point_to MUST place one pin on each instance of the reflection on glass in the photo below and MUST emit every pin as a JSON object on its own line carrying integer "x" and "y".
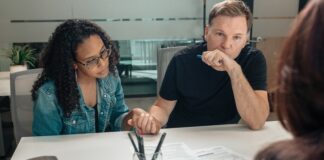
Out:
{"x": 138, "y": 62}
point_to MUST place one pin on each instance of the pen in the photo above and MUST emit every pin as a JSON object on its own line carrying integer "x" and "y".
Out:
{"x": 140, "y": 145}
{"x": 199, "y": 56}
{"x": 137, "y": 135}
{"x": 141, "y": 148}
{"x": 158, "y": 148}
{"x": 138, "y": 139}
{"x": 133, "y": 143}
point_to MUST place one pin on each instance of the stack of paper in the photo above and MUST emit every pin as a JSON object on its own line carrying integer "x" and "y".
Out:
{"x": 218, "y": 153}
{"x": 175, "y": 151}
{"x": 180, "y": 151}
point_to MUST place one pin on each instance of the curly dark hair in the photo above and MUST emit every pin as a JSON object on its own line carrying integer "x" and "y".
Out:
{"x": 60, "y": 55}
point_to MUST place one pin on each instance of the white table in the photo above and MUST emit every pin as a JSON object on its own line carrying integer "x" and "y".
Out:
{"x": 4, "y": 83}
{"x": 116, "y": 145}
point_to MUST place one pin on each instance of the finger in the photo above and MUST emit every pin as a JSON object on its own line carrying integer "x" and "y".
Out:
{"x": 157, "y": 130}
{"x": 137, "y": 111}
{"x": 130, "y": 122}
{"x": 135, "y": 120}
{"x": 156, "y": 127}
{"x": 213, "y": 59}
{"x": 217, "y": 61}
{"x": 209, "y": 57}
{"x": 149, "y": 124}
{"x": 140, "y": 120}
{"x": 139, "y": 131}
{"x": 153, "y": 130}
{"x": 145, "y": 122}
{"x": 205, "y": 57}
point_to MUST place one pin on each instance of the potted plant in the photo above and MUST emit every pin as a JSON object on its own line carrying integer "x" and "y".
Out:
{"x": 21, "y": 57}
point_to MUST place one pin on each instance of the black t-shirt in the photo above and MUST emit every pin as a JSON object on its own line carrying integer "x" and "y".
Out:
{"x": 204, "y": 96}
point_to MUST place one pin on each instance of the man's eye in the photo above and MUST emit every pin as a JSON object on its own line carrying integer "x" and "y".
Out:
{"x": 237, "y": 38}
{"x": 219, "y": 34}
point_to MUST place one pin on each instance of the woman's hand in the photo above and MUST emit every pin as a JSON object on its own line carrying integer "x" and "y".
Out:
{"x": 144, "y": 122}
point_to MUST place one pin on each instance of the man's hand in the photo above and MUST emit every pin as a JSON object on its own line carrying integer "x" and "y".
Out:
{"x": 219, "y": 60}
{"x": 252, "y": 105}
{"x": 144, "y": 122}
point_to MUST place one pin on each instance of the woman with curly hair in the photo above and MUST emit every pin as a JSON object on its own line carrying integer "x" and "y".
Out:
{"x": 300, "y": 95}
{"x": 79, "y": 90}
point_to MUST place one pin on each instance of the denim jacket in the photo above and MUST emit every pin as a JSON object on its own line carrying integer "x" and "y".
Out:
{"x": 50, "y": 120}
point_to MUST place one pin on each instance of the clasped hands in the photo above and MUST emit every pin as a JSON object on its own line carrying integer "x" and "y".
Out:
{"x": 144, "y": 122}
{"x": 219, "y": 60}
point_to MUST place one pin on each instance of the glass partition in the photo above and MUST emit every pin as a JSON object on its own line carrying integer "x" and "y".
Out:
{"x": 137, "y": 67}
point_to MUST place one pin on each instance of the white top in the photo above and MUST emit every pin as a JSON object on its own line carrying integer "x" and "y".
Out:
{"x": 4, "y": 83}
{"x": 116, "y": 145}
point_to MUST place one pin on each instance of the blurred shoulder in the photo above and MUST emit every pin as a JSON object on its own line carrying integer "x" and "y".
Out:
{"x": 298, "y": 149}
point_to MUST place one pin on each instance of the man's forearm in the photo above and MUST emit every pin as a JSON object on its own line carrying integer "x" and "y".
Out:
{"x": 161, "y": 109}
{"x": 252, "y": 108}
{"x": 159, "y": 114}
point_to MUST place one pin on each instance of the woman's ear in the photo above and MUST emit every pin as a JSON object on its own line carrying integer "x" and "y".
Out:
{"x": 75, "y": 66}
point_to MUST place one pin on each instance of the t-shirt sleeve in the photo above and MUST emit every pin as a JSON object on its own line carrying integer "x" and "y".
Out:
{"x": 256, "y": 72}
{"x": 168, "y": 88}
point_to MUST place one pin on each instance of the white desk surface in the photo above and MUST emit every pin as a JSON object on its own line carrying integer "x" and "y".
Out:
{"x": 4, "y": 83}
{"x": 116, "y": 145}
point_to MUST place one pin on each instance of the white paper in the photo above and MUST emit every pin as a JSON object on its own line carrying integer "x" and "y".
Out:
{"x": 175, "y": 151}
{"x": 218, "y": 153}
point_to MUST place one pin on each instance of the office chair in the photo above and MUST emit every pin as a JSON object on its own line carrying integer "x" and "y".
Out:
{"x": 164, "y": 56}
{"x": 21, "y": 103}
{"x": 6, "y": 130}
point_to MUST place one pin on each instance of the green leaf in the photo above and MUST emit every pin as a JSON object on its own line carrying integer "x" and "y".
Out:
{"x": 21, "y": 55}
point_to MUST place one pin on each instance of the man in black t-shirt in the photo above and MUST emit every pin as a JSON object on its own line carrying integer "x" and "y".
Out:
{"x": 217, "y": 82}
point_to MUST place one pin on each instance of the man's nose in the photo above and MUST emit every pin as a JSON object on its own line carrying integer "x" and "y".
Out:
{"x": 227, "y": 43}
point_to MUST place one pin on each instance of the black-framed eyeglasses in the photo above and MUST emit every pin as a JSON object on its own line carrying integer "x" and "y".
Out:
{"x": 93, "y": 62}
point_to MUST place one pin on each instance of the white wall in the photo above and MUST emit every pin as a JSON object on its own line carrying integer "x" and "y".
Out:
{"x": 35, "y": 20}
{"x": 106, "y": 10}
{"x": 272, "y": 18}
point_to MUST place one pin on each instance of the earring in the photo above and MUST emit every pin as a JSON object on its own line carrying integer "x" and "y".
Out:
{"x": 76, "y": 74}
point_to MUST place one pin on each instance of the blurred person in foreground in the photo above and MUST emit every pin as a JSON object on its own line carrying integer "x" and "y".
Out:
{"x": 300, "y": 95}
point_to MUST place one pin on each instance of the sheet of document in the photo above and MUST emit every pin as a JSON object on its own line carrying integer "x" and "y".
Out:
{"x": 218, "y": 153}
{"x": 175, "y": 151}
